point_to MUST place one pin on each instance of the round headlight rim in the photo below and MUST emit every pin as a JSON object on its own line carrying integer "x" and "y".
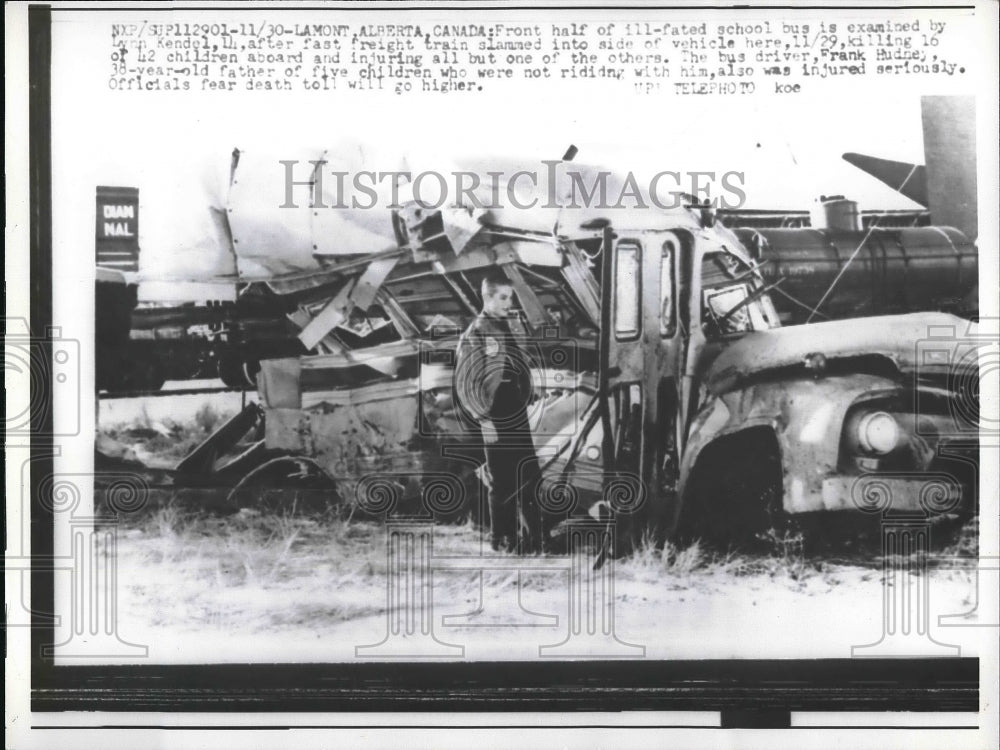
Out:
{"x": 878, "y": 446}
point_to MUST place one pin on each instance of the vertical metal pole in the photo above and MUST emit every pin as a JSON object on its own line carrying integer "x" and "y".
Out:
{"x": 604, "y": 364}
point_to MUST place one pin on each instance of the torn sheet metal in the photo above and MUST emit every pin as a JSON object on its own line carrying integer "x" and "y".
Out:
{"x": 404, "y": 325}
{"x": 358, "y": 293}
{"x": 329, "y": 373}
{"x": 313, "y": 280}
{"x": 461, "y": 225}
{"x": 187, "y": 237}
{"x": 359, "y": 356}
{"x": 327, "y": 345}
{"x": 278, "y": 383}
{"x": 582, "y": 282}
{"x": 371, "y": 281}
{"x": 333, "y": 314}
{"x": 533, "y": 310}
{"x": 477, "y": 257}
{"x": 347, "y": 425}
{"x": 537, "y": 253}
{"x": 406, "y": 423}
{"x": 422, "y": 227}
{"x": 270, "y": 240}
{"x": 287, "y": 210}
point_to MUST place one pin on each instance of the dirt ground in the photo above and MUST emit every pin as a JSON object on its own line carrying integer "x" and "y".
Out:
{"x": 197, "y": 587}
{"x": 201, "y": 588}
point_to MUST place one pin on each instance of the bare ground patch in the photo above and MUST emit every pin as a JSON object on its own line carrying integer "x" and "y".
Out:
{"x": 255, "y": 586}
{"x": 200, "y": 587}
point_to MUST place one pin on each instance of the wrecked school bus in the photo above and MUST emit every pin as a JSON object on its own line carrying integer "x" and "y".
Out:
{"x": 667, "y": 394}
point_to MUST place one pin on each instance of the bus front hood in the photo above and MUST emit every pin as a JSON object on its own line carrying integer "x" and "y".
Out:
{"x": 928, "y": 341}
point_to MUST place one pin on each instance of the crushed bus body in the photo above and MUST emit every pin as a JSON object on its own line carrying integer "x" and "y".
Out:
{"x": 668, "y": 395}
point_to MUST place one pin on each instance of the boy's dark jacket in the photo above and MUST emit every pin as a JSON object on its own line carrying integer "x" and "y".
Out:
{"x": 482, "y": 355}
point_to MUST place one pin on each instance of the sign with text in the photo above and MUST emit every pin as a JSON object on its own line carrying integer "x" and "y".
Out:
{"x": 117, "y": 239}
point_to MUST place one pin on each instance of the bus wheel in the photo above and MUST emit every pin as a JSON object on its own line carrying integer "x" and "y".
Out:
{"x": 734, "y": 500}
{"x": 285, "y": 485}
{"x": 230, "y": 370}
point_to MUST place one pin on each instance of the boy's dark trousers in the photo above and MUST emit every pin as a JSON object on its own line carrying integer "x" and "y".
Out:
{"x": 515, "y": 518}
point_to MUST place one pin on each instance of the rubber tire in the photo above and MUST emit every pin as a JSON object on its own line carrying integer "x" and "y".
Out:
{"x": 737, "y": 505}
{"x": 285, "y": 484}
{"x": 230, "y": 370}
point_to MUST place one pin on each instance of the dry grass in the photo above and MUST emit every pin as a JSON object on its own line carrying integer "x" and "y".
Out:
{"x": 700, "y": 567}
{"x": 280, "y": 582}
{"x": 257, "y": 571}
{"x": 965, "y": 542}
{"x": 257, "y": 576}
{"x": 251, "y": 570}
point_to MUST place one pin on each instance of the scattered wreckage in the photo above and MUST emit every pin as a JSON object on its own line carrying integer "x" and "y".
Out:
{"x": 669, "y": 396}
{"x": 879, "y": 262}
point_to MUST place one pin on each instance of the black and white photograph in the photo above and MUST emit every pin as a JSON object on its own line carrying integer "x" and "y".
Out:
{"x": 450, "y": 373}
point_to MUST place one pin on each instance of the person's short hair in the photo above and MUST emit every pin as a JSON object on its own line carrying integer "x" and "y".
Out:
{"x": 493, "y": 279}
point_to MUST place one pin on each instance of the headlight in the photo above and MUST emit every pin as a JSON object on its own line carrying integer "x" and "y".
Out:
{"x": 877, "y": 433}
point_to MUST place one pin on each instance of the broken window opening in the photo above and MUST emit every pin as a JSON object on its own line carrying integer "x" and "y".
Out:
{"x": 628, "y": 291}
{"x": 722, "y": 313}
{"x": 668, "y": 321}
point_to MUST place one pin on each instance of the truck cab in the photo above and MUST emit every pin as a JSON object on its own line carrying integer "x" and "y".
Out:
{"x": 728, "y": 427}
